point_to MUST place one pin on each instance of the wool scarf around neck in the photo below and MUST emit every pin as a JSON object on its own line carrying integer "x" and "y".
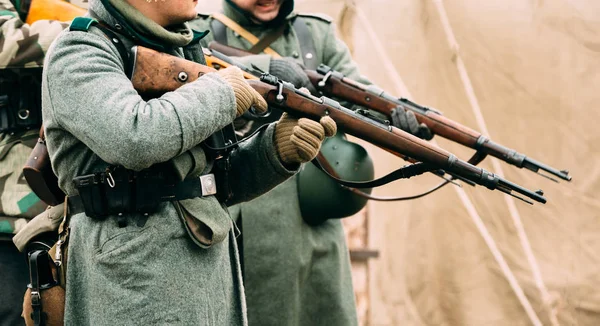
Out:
{"x": 177, "y": 35}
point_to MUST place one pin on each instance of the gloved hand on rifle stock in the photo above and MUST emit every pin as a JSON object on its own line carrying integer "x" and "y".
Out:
{"x": 296, "y": 140}
{"x": 245, "y": 96}
{"x": 299, "y": 140}
{"x": 292, "y": 72}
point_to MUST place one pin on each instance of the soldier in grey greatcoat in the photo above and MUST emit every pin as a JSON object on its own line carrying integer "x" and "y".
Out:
{"x": 179, "y": 265}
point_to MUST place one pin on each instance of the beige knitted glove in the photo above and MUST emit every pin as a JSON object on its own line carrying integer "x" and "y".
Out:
{"x": 299, "y": 140}
{"x": 245, "y": 96}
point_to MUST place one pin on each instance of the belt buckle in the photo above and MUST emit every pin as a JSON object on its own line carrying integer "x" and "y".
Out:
{"x": 208, "y": 185}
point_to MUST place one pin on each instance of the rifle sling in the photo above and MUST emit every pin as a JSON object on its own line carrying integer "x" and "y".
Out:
{"x": 220, "y": 23}
{"x": 241, "y": 31}
{"x": 329, "y": 171}
{"x": 402, "y": 173}
{"x": 264, "y": 42}
{"x": 403, "y": 198}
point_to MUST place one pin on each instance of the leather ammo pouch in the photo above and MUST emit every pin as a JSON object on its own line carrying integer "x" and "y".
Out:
{"x": 39, "y": 175}
{"x": 120, "y": 190}
{"x": 20, "y": 99}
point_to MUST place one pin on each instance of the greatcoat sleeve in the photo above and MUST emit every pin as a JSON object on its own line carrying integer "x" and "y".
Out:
{"x": 256, "y": 167}
{"x": 95, "y": 101}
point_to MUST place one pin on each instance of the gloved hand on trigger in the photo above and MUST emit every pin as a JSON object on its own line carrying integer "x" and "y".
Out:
{"x": 299, "y": 140}
{"x": 292, "y": 72}
{"x": 407, "y": 121}
{"x": 245, "y": 96}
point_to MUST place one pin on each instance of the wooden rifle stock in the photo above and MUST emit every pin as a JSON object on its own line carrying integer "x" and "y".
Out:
{"x": 156, "y": 73}
{"x": 52, "y": 10}
{"x": 217, "y": 61}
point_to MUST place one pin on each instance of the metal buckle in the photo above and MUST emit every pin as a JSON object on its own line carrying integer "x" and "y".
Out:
{"x": 208, "y": 184}
{"x": 35, "y": 298}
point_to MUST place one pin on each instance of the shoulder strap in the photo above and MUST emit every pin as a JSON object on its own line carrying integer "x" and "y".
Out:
{"x": 193, "y": 52}
{"x": 113, "y": 37}
{"x": 243, "y": 32}
{"x": 219, "y": 31}
{"x": 307, "y": 43}
{"x": 267, "y": 40}
{"x": 83, "y": 24}
{"x": 220, "y": 23}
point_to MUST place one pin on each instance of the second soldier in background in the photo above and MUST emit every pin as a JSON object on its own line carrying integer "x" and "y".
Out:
{"x": 294, "y": 273}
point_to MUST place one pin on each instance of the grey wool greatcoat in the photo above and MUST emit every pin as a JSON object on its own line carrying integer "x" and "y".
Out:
{"x": 294, "y": 274}
{"x": 152, "y": 274}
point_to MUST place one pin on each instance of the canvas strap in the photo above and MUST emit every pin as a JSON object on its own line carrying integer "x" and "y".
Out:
{"x": 264, "y": 42}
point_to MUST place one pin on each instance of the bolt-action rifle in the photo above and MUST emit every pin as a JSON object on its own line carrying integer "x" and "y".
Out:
{"x": 156, "y": 73}
{"x": 335, "y": 84}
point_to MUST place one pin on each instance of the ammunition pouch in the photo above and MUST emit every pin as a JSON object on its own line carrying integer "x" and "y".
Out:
{"x": 119, "y": 191}
{"x": 20, "y": 99}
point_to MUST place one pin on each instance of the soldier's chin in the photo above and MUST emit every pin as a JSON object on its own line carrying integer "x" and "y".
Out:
{"x": 265, "y": 17}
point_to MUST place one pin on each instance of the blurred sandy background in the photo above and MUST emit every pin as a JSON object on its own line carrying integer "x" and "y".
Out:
{"x": 535, "y": 70}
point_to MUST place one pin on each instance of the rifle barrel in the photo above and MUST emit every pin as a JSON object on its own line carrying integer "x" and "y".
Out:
{"x": 334, "y": 84}
{"x": 287, "y": 98}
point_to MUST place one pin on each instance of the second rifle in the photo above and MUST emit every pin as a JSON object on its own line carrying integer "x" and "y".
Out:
{"x": 334, "y": 84}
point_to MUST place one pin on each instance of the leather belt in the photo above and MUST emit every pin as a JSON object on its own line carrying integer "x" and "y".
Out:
{"x": 202, "y": 186}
